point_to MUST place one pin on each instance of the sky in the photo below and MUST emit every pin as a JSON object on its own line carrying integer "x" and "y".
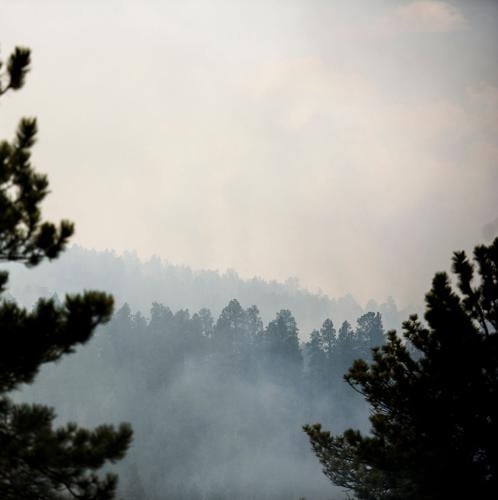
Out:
{"x": 352, "y": 145}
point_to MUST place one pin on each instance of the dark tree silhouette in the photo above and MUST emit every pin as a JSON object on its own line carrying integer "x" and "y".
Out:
{"x": 328, "y": 335}
{"x": 316, "y": 359}
{"x": 280, "y": 343}
{"x": 369, "y": 331}
{"x": 433, "y": 398}
{"x": 38, "y": 461}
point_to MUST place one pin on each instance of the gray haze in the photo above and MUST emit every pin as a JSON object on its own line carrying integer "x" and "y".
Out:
{"x": 350, "y": 144}
{"x": 140, "y": 284}
{"x": 212, "y": 420}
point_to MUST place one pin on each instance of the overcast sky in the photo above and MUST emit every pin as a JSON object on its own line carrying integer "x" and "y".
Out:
{"x": 353, "y": 144}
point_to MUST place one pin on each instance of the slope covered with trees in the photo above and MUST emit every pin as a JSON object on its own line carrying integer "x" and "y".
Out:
{"x": 216, "y": 403}
{"x": 140, "y": 283}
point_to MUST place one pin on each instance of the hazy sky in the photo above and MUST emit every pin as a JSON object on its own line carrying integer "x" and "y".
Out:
{"x": 353, "y": 144}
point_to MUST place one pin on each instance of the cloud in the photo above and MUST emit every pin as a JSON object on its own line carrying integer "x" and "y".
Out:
{"x": 421, "y": 16}
{"x": 335, "y": 142}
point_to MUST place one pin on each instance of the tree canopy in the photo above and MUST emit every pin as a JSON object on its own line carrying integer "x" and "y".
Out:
{"x": 38, "y": 461}
{"x": 216, "y": 399}
{"x": 433, "y": 394}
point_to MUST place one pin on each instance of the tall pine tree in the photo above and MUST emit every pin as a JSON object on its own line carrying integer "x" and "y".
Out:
{"x": 38, "y": 461}
{"x": 433, "y": 395}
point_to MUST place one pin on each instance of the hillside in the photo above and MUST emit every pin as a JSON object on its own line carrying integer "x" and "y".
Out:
{"x": 140, "y": 284}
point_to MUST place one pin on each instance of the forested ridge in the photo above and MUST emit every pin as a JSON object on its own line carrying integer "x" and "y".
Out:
{"x": 140, "y": 282}
{"x": 217, "y": 404}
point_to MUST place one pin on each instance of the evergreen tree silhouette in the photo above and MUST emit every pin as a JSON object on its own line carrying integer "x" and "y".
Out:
{"x": 38, "y": 461}
{"x": 433, "y": 394}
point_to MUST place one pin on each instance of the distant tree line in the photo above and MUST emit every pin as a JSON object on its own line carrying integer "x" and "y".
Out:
{"x": 240, "y": 359}
{"x": 140, "y": 283}
{"x": 216, "y": 404}
{"x": 238, "y": 342}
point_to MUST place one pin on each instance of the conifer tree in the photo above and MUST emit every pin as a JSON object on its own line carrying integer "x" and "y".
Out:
{"x": 280, "y": 341}
{"x": 38, "y": 461}
{"x": 316, "y": 357}
{"x": 433, "y": 395}
{"x": 328, "y": 336}
{"x": 369, "y": 331}
{"x": 344, "y": 350}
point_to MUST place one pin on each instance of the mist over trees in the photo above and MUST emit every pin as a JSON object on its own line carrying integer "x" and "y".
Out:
{"x": 139, "y": 284}
{"x": 216, "y": 403}
{"x": 291, "y": 139}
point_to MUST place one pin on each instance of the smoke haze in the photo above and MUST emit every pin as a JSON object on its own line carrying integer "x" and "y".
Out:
{"x": 350, "y": 144}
